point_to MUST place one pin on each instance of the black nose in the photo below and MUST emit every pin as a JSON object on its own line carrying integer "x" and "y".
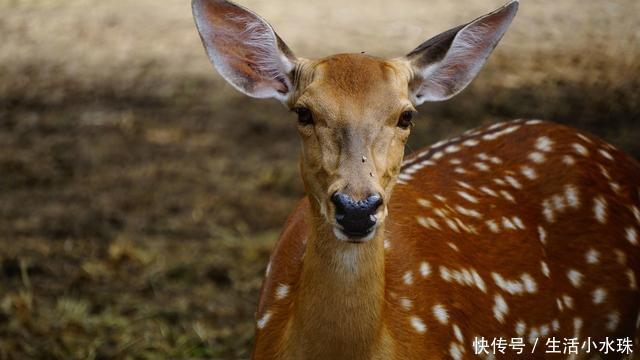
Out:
{"x": 356, "y": 217}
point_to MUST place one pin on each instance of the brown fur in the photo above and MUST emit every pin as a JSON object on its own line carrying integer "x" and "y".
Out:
{"x": 336, "y": 330}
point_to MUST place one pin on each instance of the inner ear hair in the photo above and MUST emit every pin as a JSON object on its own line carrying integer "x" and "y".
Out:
{"x": 445, "y": 64}
{"x": 245, "y": 49}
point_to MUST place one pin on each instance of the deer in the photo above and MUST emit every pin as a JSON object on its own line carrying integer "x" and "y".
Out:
{"x": 524, "y": 229}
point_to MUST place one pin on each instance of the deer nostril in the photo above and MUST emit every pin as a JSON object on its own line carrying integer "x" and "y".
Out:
{"x": 341, "y": 201}
{"x": 356, "y": 216}
{"x": 374, "y": 202}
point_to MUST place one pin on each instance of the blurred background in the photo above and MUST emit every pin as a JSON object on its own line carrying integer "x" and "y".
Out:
{"x": 140, "y": 196}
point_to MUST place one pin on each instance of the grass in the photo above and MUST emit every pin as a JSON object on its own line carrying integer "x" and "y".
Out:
{"x": 140, "y": 196}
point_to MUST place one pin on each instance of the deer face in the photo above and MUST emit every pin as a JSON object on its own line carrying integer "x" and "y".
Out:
{"x": 354, "y": 117}
{"x": 354, "y": 111}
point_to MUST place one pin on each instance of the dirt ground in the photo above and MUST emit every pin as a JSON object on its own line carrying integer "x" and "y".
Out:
{"x": 140, "y": 196}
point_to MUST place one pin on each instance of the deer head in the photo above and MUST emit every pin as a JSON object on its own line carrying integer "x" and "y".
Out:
{"x": 354, "y": 110}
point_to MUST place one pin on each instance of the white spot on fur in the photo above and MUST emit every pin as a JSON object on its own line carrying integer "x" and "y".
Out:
{"x": 585, "y": 138}
{"x": 592, "y": 256}
{"x": 600, "y": 209}
{"x": 537, "y": 157}
{"x": 458, "y": 333}
{"x": 452, "y": 225}
{"x": 606, "y": 154}
{"x": 507, "y": 195}
{"x": 571, "y": 196}
{"x": 580, "y": 149}
{"x": 529, "y": 172}
{"x": 468, "y": 212}
{"x": 455, "y": 351}
{"x": 521, "y": 328}
{"x": 615, "y": 187}
{"x": 418, "y": 325}
{"x": 534, "y": 334}
{"x": 463, "y": 277}
{"x": 468, "y": 197}
{"x": 493, "y": 226}
{"x": 613, "y": 319}
{"x": 575, "y": 277}
{"x": 548, "y": 211}
{"x": 544, "y": 144}
{"x": 636, "y": 213}
{"x": 516, "y": 220}
{"x": 542, "y": 235}
{"x": 632, "y": 279}
{"x": 514, "y": 287}
{"x": 478, "y": 280}
{"x": 425, "y": 269}
{"x": 558, "y": 202}
{"x": 568, "y": 301}
{"x": 262, "y": 322}
{"x": 470, "y": 142}
{"x": 445, "y": 274}
{"x": 452, "y": 149}
{"x": 490, "y": 192}
{"x": 386, "y": 244}
{"x": 632, "y": 235}
{"x": 568, "y": 160}
{"x": 545, "y": 268}
{"x": 513, "y": 182}
{"x": 424, "y": 203}
{"x": 507, "y": 224}
{"x": 282, "y": 291}
{"x": 530, "y": 285}
{"x": 440, "y": 313}
{"x": 544, "y": 330}
{"x": 481, "y": 166}
{"x": 428, "y": 222}
{"x": 408, "y": 278}
{"x": 406, "y": 304}
{"x": 500, "y": 308}
{"x": 598, "y": 295}
{"x": 577, "y": 326}
{"x": 555, "y": 325}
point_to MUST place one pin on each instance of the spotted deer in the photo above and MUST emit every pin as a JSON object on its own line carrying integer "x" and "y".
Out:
{"x": 524, "y": 229}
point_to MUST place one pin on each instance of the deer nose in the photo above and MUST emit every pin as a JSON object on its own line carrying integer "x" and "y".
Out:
{"x": 357, "y": 217}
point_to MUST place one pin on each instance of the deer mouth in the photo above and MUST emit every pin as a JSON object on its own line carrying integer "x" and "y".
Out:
{"x": 356, "y": 237}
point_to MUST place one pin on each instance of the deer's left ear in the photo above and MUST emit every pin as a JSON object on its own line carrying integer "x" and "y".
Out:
{"x": 445, "y": 64}
{"x": 244, "y": 49}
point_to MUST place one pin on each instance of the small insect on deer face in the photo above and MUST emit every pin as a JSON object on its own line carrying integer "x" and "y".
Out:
{"x": 354, "y": 111}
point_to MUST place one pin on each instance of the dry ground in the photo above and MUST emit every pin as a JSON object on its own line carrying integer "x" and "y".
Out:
{"x": 140, "y": 196}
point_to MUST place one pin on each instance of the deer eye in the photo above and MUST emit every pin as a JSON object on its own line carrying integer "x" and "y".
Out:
{"x": 405, "y": 119}
{"x": 304, "y": 116}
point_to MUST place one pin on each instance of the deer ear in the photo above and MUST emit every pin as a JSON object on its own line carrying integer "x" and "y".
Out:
{"x": 445, "y": 64}
{"x": 244, "y": 49}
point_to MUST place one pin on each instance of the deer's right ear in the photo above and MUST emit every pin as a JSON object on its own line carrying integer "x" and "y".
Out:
{"x": 445, "y": 64}
{"x": 244, "y": 49}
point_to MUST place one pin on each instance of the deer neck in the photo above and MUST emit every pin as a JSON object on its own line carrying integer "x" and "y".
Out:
{"x": 338, "y": 310}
